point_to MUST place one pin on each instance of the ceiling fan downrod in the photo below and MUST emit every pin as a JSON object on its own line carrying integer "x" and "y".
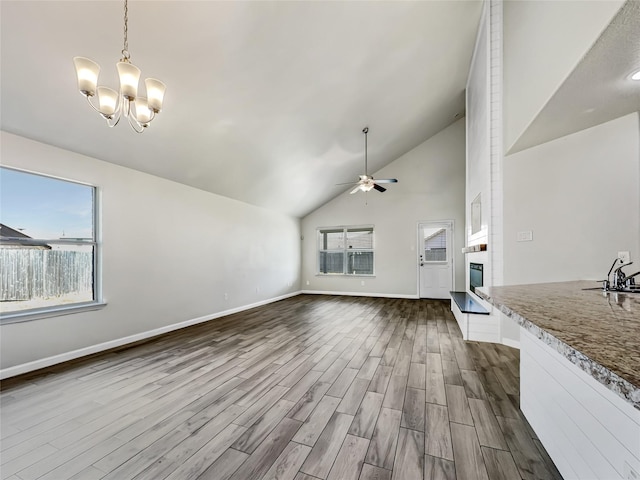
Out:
{"x": 365, "y": 130}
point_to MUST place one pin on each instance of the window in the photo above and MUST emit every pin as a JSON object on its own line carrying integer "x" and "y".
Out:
{"x": 435, "y": 245}
{"x": 345, "y": 250}
{"x": 48, "y": 246}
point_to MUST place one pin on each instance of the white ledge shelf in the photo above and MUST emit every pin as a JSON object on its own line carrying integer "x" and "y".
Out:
{"x": 480, "y": 247}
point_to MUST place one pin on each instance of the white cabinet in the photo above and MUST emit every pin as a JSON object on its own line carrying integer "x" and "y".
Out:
{"x": 589, "y": 431}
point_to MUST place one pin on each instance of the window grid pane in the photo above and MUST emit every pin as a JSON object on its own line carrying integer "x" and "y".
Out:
{"x": 331, "y": 262}
{"x": 360, "y": 238}
{"x": 359, "y": 263}
{"x": 331, "y": 239}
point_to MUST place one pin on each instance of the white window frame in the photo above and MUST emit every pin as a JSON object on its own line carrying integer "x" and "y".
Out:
{"x": 447, "y": 248}
{"x": 345, "y": 250}
{"x": 58, "y": 310}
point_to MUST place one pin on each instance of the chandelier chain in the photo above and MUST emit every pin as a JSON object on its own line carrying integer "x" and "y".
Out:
{"x": 125, "y": 50}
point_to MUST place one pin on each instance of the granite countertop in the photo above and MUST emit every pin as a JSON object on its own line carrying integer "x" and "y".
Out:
{"x": 597, "y": 331}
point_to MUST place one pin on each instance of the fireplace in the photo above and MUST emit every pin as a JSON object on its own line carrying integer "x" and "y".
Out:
{"x": 475, "y": 276}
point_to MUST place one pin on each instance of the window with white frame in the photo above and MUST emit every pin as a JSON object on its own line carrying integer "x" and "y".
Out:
{"x": 345, "y": 250}
{"x": 48, "y": 243}
{"x": 435, "y": 245}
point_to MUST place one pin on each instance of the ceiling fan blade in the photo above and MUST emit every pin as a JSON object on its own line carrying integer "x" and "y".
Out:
{"x": 379, "y": 188}
{"x": 386, "y": 180}
{"x": 348, "y": 183}
{"x": 355, "y": 190}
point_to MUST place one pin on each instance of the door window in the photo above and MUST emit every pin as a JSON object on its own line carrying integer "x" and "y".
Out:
{"x": 435, "y": 245}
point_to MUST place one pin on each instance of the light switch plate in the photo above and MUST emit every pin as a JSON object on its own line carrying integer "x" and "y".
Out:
{"x": 525, "y": 236}
{"x": 624, "y": 256}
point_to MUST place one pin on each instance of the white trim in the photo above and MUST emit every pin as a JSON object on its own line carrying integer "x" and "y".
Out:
{"x": 360, "y": 294}
{"x": 82, "y": 352}
{"x": 510, "y": 343}
{"x": 349, "y": 275}
{"x": 47, "y": 175}
{"x": 47, "y": 312}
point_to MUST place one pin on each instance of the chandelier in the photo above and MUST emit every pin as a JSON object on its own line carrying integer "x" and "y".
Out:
{"x": 112, "y": 105}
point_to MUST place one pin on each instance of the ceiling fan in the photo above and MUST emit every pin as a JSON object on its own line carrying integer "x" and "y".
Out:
{"x": 367, "y": 182}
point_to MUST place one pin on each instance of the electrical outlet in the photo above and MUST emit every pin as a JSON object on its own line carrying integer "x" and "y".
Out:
{"x": 307, "y": 282}
{"x": 525, "y": 236}
{"x": 362, "y": 282}
{"x": 624, "y": 256}
{"x": 226, "y": 296}
{"x": 257, "y": 289}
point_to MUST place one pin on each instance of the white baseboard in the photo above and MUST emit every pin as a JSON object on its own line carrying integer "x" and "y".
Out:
{"x": 83, "y": 352}
{"x": 360, "y": 294}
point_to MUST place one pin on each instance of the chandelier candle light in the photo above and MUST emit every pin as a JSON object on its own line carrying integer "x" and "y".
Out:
{"x": 113, "y": 105}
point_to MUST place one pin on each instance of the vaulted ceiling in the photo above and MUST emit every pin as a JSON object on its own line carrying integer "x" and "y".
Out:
{"x": 265, "y": 101}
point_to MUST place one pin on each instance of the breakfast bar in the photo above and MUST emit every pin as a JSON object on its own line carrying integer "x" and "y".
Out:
{"x": 579, "y": 373}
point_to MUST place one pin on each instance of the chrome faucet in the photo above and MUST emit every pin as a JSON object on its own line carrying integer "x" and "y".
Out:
{"x": 629, "y": 281}
{"x": 621, "y": 282}
{"x": 606, "y": 283}
{"x": 619, "y": 276}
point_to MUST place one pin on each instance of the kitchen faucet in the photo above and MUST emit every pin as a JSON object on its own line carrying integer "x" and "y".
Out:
{"x": 621, "y": 282}
{"x": 619, "y": 276}
{"x": 606, "y": 284}
{"x": 629, "y": 281}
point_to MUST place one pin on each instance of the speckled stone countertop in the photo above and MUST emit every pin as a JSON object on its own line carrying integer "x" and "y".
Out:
{"x": 597, "y": 331}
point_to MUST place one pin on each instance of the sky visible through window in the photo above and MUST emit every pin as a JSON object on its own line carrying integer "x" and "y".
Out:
{"x": 44, "y": 207}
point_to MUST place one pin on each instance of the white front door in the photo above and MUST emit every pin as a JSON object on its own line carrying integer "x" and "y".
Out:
{"x": 435, "y": 259}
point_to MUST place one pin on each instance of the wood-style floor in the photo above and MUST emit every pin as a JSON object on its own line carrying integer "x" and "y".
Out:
{"x": 312, "y": 387}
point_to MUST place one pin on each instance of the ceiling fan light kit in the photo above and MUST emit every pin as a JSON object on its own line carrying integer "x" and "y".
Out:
{"x": 112, "y": 105}
{"x": 367, "y": 182}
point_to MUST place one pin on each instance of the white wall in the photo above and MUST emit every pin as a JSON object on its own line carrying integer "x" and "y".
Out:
{"x": 485, "y": 171}
{"x": 431, "y": 187}
{"x": 478, "y": 174}
{"x": 478, "y": 119}
{"x": 580, "y": 195}
{"x": 543, "y": 43}
{"x": 170, "y": 253}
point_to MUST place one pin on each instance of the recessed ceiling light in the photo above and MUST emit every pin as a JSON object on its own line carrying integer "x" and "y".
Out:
{"x": 635, "y": 76}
